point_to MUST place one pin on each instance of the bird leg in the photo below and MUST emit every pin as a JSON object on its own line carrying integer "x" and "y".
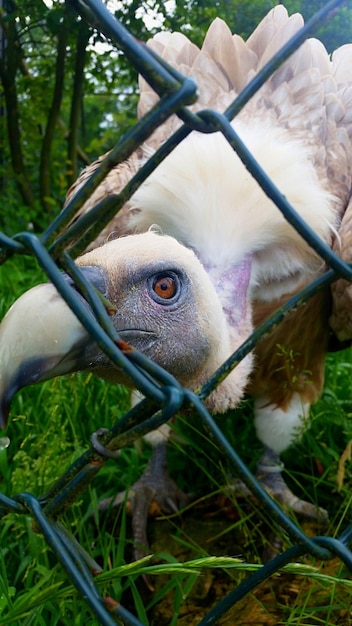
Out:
{"x": 269, "y": 474}
{"x": 277, "y": 427}
{"x": 154, "y": 493}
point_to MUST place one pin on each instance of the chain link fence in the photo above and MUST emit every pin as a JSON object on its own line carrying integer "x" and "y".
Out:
{"x": 64, "y": 240}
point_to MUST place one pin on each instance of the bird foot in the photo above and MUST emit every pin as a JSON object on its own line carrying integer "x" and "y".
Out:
{"x": 154, "y": 494}
{"x": 271, "y": 479}
{"x": 269, "y": 475}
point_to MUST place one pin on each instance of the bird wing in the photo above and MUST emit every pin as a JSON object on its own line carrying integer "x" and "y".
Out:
{"x": 341, "y": 318}
{"x": 114, "y": 182}
{"x": 308, "y": 96}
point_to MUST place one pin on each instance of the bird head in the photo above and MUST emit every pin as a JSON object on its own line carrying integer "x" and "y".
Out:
{"x": 165, "y": 306}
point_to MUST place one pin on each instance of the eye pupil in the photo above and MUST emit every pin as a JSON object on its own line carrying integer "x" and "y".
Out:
{"x": 165, "y": 287}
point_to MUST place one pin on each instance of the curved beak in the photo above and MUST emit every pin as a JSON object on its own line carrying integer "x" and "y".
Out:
{"x": 40, "y": 338}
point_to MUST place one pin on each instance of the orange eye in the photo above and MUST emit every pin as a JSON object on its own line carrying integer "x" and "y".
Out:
{"x": 165, "y": 287}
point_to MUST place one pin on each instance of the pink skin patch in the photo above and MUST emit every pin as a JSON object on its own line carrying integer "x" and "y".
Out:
{"x": 231, "y": 286}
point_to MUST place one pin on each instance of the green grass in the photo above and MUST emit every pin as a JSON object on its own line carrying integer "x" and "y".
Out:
{"x": 51, "y": 426}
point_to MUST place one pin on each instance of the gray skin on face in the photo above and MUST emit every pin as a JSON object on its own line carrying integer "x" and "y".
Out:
{"x": 157, "y": 314}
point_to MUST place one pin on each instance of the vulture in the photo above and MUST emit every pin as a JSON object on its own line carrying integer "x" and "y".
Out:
{"x": 200, "y": 255}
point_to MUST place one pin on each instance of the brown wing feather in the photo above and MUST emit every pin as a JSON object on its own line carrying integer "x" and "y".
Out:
{"x": 341, "y": 318}
{"x": 291, "y": 359}
{"x": 114, "y": 182}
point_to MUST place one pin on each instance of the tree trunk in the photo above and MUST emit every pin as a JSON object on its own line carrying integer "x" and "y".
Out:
{"x": 54, "y": 112}
{"x": 76, "y": 102}
{"x": 9, "y": 63}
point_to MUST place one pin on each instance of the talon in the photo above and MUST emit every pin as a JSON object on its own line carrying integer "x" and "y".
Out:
{"x": 171, "y": 505}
